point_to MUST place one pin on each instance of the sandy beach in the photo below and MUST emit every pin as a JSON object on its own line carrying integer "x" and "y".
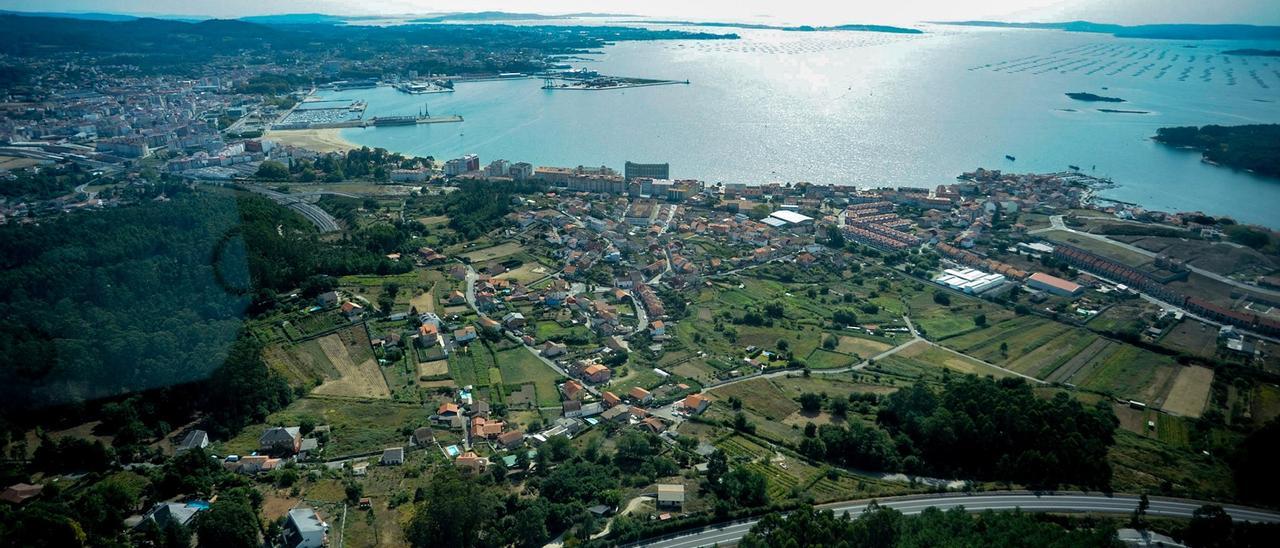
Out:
{"x": 319, "y": 140}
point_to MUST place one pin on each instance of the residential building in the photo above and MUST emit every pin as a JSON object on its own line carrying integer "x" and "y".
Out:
{"x": 471, "y": 463}
{"x": 695, "y": 403}
{"x": 392, "y": 456}
{"x": 640, "y": 395}
{"x": 305, "y": 529}
{"x": 671, "y": 495}
{"x": 633, "y": 170}
{"x": 194, "y": 439}
{"x": 281, "y": 439}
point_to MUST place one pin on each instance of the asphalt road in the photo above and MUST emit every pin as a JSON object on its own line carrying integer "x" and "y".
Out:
{"x": 1063, "y": 503}
{"x": 1056, "y": 223}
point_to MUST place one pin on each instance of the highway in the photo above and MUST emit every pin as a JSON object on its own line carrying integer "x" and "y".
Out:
{"x": 312, "y": 212}
{"x": 1030, "y": 502}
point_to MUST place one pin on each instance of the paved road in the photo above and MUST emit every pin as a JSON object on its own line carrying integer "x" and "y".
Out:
{"x": 312, "y": 212}
{"x": 1063, "y": 503}
{"x": 1056, "y": 223}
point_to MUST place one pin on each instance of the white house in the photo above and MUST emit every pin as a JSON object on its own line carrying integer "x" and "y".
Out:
{"x": 305, "y": 529}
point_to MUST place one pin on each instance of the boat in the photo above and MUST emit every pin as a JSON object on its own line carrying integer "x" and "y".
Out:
{"x": 1075, "y": 168}
{"x": 1009, "y": 158}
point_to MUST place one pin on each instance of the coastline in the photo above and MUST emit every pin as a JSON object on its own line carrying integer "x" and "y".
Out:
{"x": 319, "y": 140}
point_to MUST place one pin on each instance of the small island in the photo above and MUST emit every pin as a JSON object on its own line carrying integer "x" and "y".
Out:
{"x": 1254, "y": 147}
{"x": 1121, "y": 111}
{"x": 1089, "y": 97}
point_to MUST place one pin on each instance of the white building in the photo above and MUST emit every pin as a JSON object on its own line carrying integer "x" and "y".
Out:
{"x": 789, "y": 219}
{"x": 305, "y": 529}
{"x": 969, "y": 280}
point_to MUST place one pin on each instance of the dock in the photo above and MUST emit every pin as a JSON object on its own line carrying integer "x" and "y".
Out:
{"x": 384, "y": 121}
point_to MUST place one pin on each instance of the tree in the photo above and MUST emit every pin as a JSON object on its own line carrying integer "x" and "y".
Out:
{"x": 353, "y": 491}
{"x": 810, "y": 430}
{"x": 840, "y": 407}
{"x": 271, "y": 170}
{"x": 231, "y": 521}
{"x": 941, "y": 297}
{"x": 1210, "y": 527}
{"x": 456, "y": 511}
{"x": 835, "y": 237}
{"x": 829, "y": 342}
{"x": 980, "y": 320}
{"x": 810, "y": 402}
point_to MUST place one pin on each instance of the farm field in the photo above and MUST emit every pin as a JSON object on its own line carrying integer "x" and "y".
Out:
{"x": 1193, "y": 337}
{"x": 1132, "y": 373}
{"x": 862, "y": 346}
{"x": 1190, "y": 392}
{"x": 1030, "y": 345}
{"x": 526, "y": 273}
{"x": 356, "y": 426}
{"x": 425, "y": 301}
{"x": 472, "y": 365}
{"x": 303, "y": 364}
{"x": 925, "y": 353}
{"x": 940, "y": 321}
{"x": 496, "y": 252}
{"x": 825, "y": 359}
{"x": 519, "y": 366}
{"x": 358, "y": 372}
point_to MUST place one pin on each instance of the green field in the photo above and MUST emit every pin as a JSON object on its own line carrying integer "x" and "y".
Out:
{"x": 940, "y": 322}
{"x": 1032, "y": 345}
{"x": 826, "y": 359}
{"x": 357, "y": 426}
{"x": 519, "y": 366}
{"x": 1131, "y": 372}
{"x": 936, "y": 359}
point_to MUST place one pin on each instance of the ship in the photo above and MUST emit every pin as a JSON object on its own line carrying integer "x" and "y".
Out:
{"x": 1074, "y": 168}
{"x": 1009, "y": 158}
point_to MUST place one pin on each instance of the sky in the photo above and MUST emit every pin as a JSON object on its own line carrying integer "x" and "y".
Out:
{"x": 1264, "y": 12}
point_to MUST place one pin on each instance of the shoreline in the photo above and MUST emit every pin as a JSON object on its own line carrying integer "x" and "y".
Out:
{"x": 319, "y": 140}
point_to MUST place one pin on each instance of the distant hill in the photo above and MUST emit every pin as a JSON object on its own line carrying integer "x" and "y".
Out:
{"x": 101, "y": 16}
{"x": 295, "y": 19}
{"x": 508, "y": 16}
{"x": 1167, "y": 32}
{"x": 802, "y": 28}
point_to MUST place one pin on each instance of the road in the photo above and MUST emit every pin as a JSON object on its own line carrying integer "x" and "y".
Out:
{"x": 1057, "y": 502}
{"x": 470, "y": 282}
{"x": 1056, "y": 223}
{"x": 313, "y": 213}
{"x": 915, "y": 338}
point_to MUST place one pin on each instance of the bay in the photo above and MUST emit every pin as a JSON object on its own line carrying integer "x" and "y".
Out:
{"x": 876, "y": 109}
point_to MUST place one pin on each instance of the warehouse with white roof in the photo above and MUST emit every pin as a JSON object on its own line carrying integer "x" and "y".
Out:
{"x": 969, "y": 280}
{"x": 789, "y": 219}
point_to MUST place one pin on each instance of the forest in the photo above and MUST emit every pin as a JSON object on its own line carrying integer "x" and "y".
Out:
{"x": 1255, "y": 147}
{"x": 977, "y": 428}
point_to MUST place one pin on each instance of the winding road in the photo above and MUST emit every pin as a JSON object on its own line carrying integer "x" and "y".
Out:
{"x": 1073, "y": 503}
